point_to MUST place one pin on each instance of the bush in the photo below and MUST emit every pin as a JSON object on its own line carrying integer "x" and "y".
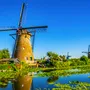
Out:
{"x": 4, "y": 53}
{"x": 84, "y": 58}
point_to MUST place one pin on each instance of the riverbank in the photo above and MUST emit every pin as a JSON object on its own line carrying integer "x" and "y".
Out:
{"x": 11, "y": 72}
{"x": 7, "y": 70}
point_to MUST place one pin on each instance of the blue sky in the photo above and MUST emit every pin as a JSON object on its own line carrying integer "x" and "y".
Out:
{"x": 68, "y": 24}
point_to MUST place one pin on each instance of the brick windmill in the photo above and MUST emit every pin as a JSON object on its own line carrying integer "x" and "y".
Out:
{"x": 23, "y": 48}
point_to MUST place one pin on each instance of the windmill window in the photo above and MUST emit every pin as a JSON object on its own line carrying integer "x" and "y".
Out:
{"x": 26, "y": 58}
{"x": 31, "y": 58}
{"x": 23, "y": 48}
{"x": 25, "y": 36}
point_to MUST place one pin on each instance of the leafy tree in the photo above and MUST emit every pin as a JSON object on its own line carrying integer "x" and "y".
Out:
{"x": 52, "y": 79}
{"x": 62, "y": 57}
{"x": 4, "y": 53}
{"x": 49, "y": 54}
{"x": 84, "y": 58}
{"x": 53, "y": 56}
{"x": 74, "y": 61}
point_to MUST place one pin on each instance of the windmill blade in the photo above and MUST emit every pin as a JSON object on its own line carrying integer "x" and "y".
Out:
{"x": 37, "y": 30}
{"x": 36, "y": 27}
{"x": 89, "y": 48}
{"x": 21, "y": 15}
{"x": 84, "y": 52}
{"x": 32, "y": 31}
{"x": 8, "y": 29}
{"x": 12, "y": 34}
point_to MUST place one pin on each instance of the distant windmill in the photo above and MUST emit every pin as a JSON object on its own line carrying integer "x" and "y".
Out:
{"x": 88, "y": 52}
{"x": 23, "y": 49}
{"x": 68, "y": 56}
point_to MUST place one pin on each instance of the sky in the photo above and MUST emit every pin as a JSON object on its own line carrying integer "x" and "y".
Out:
{"x": 68, "y": 25}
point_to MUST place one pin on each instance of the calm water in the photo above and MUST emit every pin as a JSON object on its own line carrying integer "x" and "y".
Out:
{"x": 43, "y": 83}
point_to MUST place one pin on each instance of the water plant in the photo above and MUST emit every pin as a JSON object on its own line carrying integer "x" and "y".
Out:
{"x": 73, "y": 85}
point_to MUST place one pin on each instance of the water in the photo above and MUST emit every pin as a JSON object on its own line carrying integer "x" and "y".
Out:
{"x": 43, "y": 83}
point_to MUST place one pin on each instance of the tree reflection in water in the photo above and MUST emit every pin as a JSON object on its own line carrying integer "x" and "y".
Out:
{"x": 23, "y": 83}
{"x": 52, "y": 79}
{"x": 3, "y": 83}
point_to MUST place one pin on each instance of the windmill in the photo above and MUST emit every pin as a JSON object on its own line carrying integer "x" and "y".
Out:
{"x": 88, "y": 52}
{"x": 23, "y": 49}
{"x": 68, "y": 56}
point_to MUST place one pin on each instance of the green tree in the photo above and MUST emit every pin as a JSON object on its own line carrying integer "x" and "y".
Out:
{"x": 4, "y": 53}
{"x": 53, "y": 56}
{"x": 84, "y": 58}
{"x": 49, "y": 54}
{"x": 62, "y": 57}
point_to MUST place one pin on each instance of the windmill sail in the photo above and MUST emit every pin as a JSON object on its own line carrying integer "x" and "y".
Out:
{"x": 23, "y": 49}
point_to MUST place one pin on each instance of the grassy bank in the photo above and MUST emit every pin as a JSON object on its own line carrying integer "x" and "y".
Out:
{"x": 9, "y": 72}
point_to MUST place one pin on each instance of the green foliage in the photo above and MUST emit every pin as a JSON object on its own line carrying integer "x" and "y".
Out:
{"x": 62, "y": 87}
{"x": 84, "y": 58}
{"x": 58, "y": 64}
{"x": 53, "y": 55}
{"x": 55, "y": 59}
{"x": 3, "y": 66}
{"x": 62, "y": 57}
{"x": 77, "y": 61}
{"x": 13, "y": 66}
{"x": 4, "y": 53}
{"x": 77, "y": 86}
{"x": 58, "y": 61}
